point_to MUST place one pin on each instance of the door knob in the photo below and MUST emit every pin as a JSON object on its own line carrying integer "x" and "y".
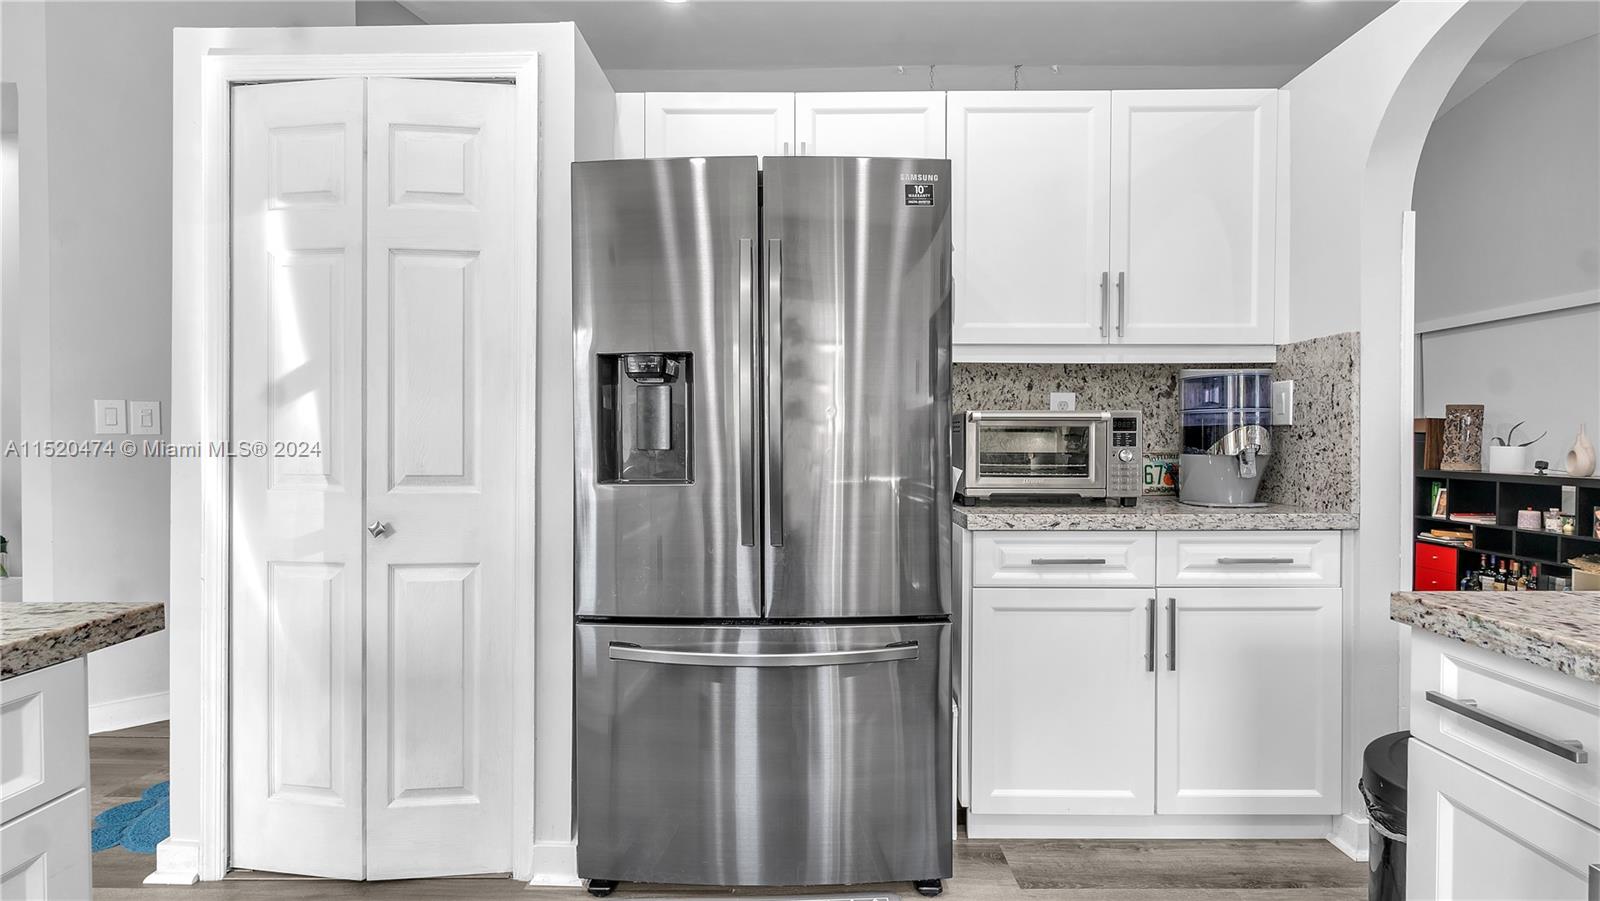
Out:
{"x": 379, "y": 528}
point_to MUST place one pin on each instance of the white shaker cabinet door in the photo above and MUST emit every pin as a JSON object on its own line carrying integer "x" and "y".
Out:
{"x": 44, "y": 854}
{"x": 1475, "y": 838}
{"x": 1063, "y": 701}
{"x": 1248, "y": 705}
{"x": 718, "y": 124}
{"x": 1193, "y": 216}
{"x": 1030, "y": 201}
{"x": 871, "y": 123}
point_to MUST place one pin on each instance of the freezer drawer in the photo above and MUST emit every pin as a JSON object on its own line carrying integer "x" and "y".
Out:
{"x": 764, "y": 755}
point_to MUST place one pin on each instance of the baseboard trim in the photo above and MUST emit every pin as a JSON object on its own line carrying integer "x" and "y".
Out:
{"x": 555, "y": 863}
{"x": 125, "y": 713}
{"x": 177, "y": 863}
{"x": 1350, "y": 836}
{"x": 1146, "y": 827}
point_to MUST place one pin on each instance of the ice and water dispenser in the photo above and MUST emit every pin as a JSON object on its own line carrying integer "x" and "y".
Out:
{"x": 646, "y": 416}
{"x": 1227, "y": 435}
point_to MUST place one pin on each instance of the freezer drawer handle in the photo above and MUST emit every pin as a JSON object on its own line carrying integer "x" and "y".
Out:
{"x": 1252, "y": 561}
{"x": 1069, "y": 561}
{"x": 1565, "y": 748}
{"x": 898, "y": 651}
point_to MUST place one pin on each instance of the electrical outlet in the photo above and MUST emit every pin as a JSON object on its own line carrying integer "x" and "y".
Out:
{"x": 1283, "y": 403}
{"x": 110, "y": 417}
{"x": 1063, "y": 401}
{"x": 144, "y": 417}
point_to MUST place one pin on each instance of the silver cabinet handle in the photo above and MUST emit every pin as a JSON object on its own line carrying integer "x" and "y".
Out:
{"x": 746, "y": 409}
{"x": 1565, "y": 748}
{"x": 1150, "y": 637}
{"x": 1122, "y": 302}
{"x": 785, "y": 148}
{"x": 1172, "y": 635}
{"x": 1069, "y": 561}
{"x": 1251, "y": 561}
{"x": 1594, "y": 882}
{"x": 1105, "y": 304}
{"x": 378, "y": 528}
{"x": 900, "y": 651}
{"x": 774, "y": 405}
{"x": 802, "y": 148}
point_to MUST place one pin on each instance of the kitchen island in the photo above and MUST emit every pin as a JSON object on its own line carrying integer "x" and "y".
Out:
{"x": 1504, "y": 793}
{"x": 44, "y": 718}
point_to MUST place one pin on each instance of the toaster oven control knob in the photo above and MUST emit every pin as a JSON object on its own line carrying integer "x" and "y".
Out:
{"x": 1125, "y": 455}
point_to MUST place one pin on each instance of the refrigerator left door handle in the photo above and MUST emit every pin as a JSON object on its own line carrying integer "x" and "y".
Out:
{"x": 745, "y": 418}
{"x": 774, "y": 412}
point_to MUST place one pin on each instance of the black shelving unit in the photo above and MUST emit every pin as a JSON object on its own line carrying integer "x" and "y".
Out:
{"x": 1503, "y": 494}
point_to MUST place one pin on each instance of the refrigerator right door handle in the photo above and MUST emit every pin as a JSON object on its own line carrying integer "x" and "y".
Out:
{"x": 888, "y": 653}
{"x": 745, "y": 419}
{"x": 774, "y": 405}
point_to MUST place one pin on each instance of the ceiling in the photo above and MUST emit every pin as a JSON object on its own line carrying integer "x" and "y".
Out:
{"x": 1287, "y": 35}
{"x": 1535, "y": 27}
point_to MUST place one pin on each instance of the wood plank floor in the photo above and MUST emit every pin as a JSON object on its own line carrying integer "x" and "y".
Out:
{"x": 122, "y": 764}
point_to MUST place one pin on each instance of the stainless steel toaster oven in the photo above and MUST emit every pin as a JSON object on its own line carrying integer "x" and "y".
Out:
{"x": 1048, "y": 454}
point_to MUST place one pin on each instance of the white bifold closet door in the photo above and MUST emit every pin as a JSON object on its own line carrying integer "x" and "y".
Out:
{"x": 374, "y": 353}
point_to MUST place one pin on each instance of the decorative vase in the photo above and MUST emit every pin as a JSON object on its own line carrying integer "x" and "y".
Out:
{"x": 1580, "y": 460}
{"x": 1463, "y": 437}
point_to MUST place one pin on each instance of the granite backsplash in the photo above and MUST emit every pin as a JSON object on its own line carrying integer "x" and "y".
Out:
{"x": 1314, "y": 464}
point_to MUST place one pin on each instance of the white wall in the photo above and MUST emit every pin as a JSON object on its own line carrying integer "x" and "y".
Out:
{"x": 1359, "y": 119}
{"x": 94, "y": 81}
{"x": 1508, "y": 223}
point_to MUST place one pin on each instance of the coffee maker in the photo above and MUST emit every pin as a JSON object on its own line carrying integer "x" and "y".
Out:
{"x": 1227, "y": 435}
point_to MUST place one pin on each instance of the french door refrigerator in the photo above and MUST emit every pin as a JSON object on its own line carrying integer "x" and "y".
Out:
{"x": 762, "y": 521}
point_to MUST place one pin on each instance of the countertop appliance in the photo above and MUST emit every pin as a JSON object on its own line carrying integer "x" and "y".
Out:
{"x": 1048, "y": 454}
{"x": 762, "y": 521}
{"x": 1227, "y": 435}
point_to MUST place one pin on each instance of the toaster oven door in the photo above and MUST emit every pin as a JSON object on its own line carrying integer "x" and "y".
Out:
{"x": 1055, "y": 454}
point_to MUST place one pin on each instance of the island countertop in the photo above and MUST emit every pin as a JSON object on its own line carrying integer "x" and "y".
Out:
{"x": 34, "y": 636}
{"x": 1150, "y": 514}
{"x": 1558, "y": 630}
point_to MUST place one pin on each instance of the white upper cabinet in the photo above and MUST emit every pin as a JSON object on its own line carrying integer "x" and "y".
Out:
{"x": 1193, "y": 198}
{"x": 718, "y": 124}
{"x": 871, "y": 123}
{"x": 1030, "y": 205}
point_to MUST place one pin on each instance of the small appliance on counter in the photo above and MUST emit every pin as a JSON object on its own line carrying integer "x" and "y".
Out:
{"x": 1227, "y": 435}
{"x": 1048, "y": 454}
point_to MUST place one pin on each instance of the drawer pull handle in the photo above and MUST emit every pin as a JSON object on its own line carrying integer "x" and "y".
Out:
{"x": 1566, "y": 749}
{"x": 1069, "y": 561}
{"x": 1251, "y": 561}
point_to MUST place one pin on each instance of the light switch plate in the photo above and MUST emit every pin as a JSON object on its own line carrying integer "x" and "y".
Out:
{"x": 110, "y": 417}
{"x": 1063, "y": 401}
{"x": 1283, "y": 403}
{"x": 144, "y": 417}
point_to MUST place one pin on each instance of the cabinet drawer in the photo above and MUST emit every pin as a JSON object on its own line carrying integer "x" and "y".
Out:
{"x": 1248, "y": 559}
{"x": 45, "y": 854}
{"x": 44, "y": 722}
{"x": 1516, "y": 696}
{"x": 1435, "y": 558}
{"x": 1114, "y": 559}
{"x": 1473, "y": 836}
{"x": 1432, "y": 580}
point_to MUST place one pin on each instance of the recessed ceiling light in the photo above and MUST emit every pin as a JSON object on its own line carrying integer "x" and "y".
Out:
{"x": 677, "y": 1}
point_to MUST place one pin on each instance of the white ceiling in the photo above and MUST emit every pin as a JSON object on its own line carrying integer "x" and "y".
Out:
{"x": 1286, "y": 35}
{"x": 1535, "y": 27}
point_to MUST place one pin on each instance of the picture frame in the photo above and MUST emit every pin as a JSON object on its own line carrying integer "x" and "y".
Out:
{"x": 1441, "y": 504}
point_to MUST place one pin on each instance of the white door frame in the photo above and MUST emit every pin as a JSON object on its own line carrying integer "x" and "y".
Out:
{"x": 201, "y": 289}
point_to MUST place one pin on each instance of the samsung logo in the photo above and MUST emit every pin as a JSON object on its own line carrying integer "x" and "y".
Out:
{"x": 918, "y": 176}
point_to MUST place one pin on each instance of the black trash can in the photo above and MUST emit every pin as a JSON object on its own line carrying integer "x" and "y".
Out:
{"x": 1383, "y": 784}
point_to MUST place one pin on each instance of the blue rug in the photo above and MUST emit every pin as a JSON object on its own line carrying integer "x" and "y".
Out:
{"x": 137, "y": 825}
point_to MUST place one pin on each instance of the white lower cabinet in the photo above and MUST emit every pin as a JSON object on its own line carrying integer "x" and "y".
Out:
{"x": 1474, "y": 837}
{"x": 44, "y": 855}
{"x": 1247, "y": 704}
{"x": 1063, "y": 705}
{"x": 1147, "y": 700}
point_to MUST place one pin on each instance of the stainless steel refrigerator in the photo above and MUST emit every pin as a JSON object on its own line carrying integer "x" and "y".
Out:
{"x": 762, "y": 522}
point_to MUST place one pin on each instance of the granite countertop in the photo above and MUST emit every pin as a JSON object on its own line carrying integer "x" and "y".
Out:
{"x": 34, "y": 636}
{"x": 1153, "y": 513}
{"x": 1558, "y": 630}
